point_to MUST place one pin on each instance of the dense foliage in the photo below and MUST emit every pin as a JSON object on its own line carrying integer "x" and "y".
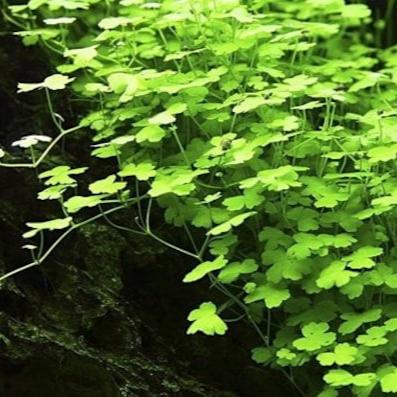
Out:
{"x": 266, "y": 132}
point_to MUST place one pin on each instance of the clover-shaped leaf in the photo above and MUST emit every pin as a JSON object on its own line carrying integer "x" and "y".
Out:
{"x": 353, "y": 321}
{"x": 60, "y": 175}
{"x": 261, "y": 355}
{"x": 273, "y": 295}
{"x": 279, "y": 179}
{"x": 305, "y": 244}
{"x": 151, "y": 133}
{"x": 57, "y": 82}
{"x": 361, "y": 259}
{"x": 54, "y": 224}
{"x": 177, "y": 108}
{"x": 358, "y": 11}
{"x": 228, "y": 225}
{"x": 373, "y": 337}
{"x": 250, "y": 199}
{"x": 204, "y": 268}
{"x": 323, "y": 311}
{"x": 76, "y": 203}
{"x": 125, "y": 84}
{"x": 53, "y": 82}
{"x": 343, "y": 354}
{"x": 221, "y": 246}
{"x": 382, "y": 153}
{"x": 162, "y": 118}
{"x": 179, "y": 182}
{"x": 107, "y": 185}
{"x": 232, "y": 271}
{"x": 341, "y": 377}
{"x": 334, "y": 275}
{"x": 306, "y": 218}
{"x": 206, "y": 320}
{"x": 388, "y": 382}
{"x": 315, "y": 336}
{"x": 391, "y": 325}
{"x": 286, "y": 354}
{"x": 249, "y": 104}
{"x": 31, "y": 140}
{"x": 53, "y": 192}
{"x": 82, "y": 56}
{"x": 114, "y": 22}
{"x": 142, "y": 171}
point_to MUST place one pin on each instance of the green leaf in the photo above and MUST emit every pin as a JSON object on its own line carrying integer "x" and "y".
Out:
{"x": 382, "y": 153}
{"x": 113, "y": 22}
{"x": 162, "y": 118}
{"x": 52, "y": 193}
{"x": 272, "y": 295}
{"x": 82, "y": 56}
{"x": 391, "y": 325}
{"x": 261, "y": 355}
{"x": 361, "y": 259}
{"x": 232, "y": 271}
{"x": 286, "y": 355}
{"x": 341, "y": 377}
{"x": 56, "y": 82}
{"x": 206, "y": 320}
{"x": 250, "y": 199}
{"x": 53, "y": 82}
{"x": 353, "y": 321}
{"x": 279, "y": 179}
{"x": 55, "y": 224}
{"x": 125, "y": 84}
{"x": 204, "y": 268}
{"x": 343, "y": 354}
{"x": 61, "y": 175}
{"x": 228, "y": 225}
{"x": 176, "y": 108}
{"x": 356, "y": 11}
{"x": 107, "y": 185}
{"x": 249, "y": 104}
{"x": 178, "y": 182}
{"x": 388, "y": 382}
{"x": 334, "y": 275}
{"x": 366, "y": 80}
{"x": 76, "y": 203}
{"x": 142, "y": 171}
{"x": 374, "y": 337}
{"x": 151, "y": 133}
{"x": 30, "y": 140}
{"x": 328, "y": 392}
{"x": 221, "y": 246}
{"x": 315, "y": 336}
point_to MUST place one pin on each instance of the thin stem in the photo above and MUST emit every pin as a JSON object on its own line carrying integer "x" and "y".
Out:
{"x": 51, "y": 109}
{"x": 181, "y": 148}
{"x": 170, "y": 245}
{"x": 45, "y": 153}
{"x": 59, "y": 240}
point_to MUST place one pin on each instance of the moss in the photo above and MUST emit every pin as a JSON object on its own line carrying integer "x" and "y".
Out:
{"x": 83, "y": 315}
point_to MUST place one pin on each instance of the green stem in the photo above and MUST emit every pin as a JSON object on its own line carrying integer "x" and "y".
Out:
{"x": 58, "y": 241}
